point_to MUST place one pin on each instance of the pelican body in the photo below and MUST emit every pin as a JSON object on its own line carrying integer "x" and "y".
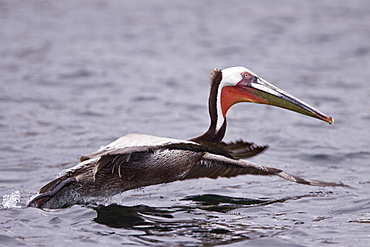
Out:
{"x": 139, "y": 160}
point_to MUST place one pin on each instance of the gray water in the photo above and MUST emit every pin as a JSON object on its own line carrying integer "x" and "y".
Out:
{"x": 75, "y": 75}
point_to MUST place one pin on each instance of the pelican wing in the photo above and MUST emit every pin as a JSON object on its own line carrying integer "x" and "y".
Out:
{"x": 119, "y": 152}
{"x": 116, "y": 157}
{"x": 142, "y": 143}
{"x": 213, "y": 166}
{"x": 133, "y": 143}
{"x": 241, "y": 149}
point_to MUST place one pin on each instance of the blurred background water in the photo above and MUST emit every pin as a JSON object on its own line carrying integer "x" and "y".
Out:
{"x": 75, "y": 75}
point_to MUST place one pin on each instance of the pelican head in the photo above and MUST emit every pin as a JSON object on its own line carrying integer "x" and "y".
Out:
{"x": 239, "y": 84}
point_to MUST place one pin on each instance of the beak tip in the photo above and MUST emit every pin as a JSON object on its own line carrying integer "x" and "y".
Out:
{"x": 331, "y": 120}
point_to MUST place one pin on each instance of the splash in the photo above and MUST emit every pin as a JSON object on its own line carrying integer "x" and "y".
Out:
{"x": 11, "y": 201}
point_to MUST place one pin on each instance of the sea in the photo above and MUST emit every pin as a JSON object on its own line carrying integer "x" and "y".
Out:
{"x": 76, "y": 75}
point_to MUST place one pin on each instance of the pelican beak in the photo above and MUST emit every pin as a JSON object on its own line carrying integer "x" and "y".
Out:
{"x": 255, "y": 89}
{"x": 266, "y": 93}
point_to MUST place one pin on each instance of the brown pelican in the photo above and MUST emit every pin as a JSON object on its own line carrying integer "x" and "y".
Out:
{"x": 138, "y": 160}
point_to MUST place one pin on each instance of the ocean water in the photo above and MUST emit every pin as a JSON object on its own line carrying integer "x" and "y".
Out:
{"x": 76, "y": 75}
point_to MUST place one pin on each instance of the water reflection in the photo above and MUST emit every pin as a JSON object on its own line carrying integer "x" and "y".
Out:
{"x": 220, "y": 203}
{"x": 121, "y": 216}
{"x": 205, "y": 218}
{"x": 118, "y": 216}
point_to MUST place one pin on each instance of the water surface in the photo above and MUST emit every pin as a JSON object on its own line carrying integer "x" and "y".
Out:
{"x": 77, "y": 75}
